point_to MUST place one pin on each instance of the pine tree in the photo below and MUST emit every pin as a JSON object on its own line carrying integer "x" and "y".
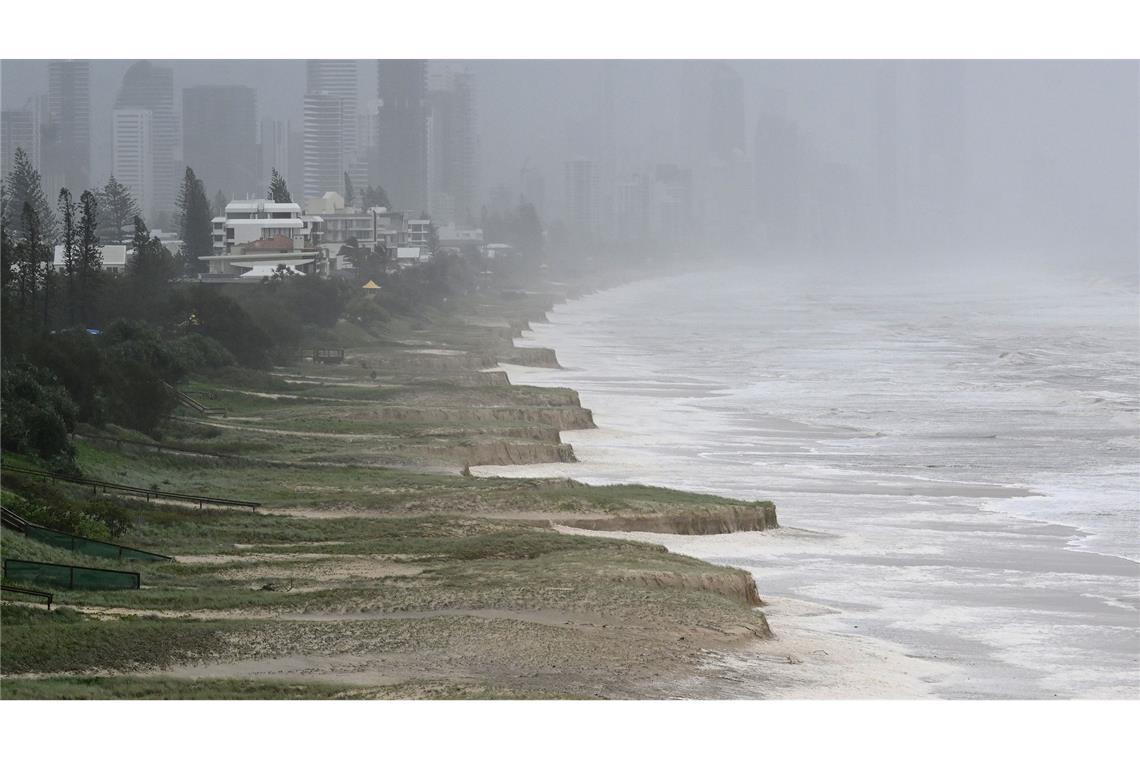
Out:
{"x": 375, "y": 196}
{"x": 349, "y": 192}
{"x": 23, "y": 185}
{"x": 150, "y": 270}
{"x": 90, "y": 259}
{"x": 194, "y": 222}
{"x": 278, "y": 191}
{"x": 28, "y": 259}
{"x": 116, "y": 209}
{"x": 69, "y": 240}
{"x": 141, "y": 238}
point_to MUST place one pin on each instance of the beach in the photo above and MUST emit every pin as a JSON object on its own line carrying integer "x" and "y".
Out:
{"x": 954, "y": 463}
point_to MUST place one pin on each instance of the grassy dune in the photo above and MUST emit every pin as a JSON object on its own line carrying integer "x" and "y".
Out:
{"x": 373, "y": 570}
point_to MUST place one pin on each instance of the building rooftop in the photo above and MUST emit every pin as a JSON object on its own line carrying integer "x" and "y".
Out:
{"x": 114, "y": 256}
{"x": 261, "y": 204}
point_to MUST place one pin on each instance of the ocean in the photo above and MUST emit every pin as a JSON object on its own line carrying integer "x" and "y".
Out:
{"x": 954, "y": 457}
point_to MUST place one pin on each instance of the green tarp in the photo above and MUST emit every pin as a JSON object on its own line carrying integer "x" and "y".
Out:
{"x": 68, "y": 576}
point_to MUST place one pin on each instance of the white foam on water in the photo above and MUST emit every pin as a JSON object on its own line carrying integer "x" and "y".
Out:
{"x": 965, "y": 454}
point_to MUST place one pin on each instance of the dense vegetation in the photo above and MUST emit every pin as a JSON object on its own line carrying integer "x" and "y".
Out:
{"x": 82, "y": 344}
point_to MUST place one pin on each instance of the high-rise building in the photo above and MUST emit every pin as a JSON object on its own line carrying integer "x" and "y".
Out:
{"x": 450, "y": 158}
{"x": 366, "y": 127}
{"x": 132, "y": 154}
{"x": 279, "y": 148}
{"x": 330, "y": 126}
{"x": 401, "y": 151}
{"x": 219, "y": 138}
{"x": 66, "y": 135}
{"x": 19, "y": 128}
{"x": 325, "y": 161}
{"x": 582, "y": 213}
{"x": 150, "y": 87}
{"x": 337, "y": 77}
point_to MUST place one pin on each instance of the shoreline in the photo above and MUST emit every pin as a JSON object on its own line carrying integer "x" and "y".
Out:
{"x": 813, "y": 664}
{"x": 982, "y": 660}
{"x": 372, "y": 568}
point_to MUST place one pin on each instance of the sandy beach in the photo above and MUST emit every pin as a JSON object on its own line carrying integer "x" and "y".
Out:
{"x": 940, "y": 495}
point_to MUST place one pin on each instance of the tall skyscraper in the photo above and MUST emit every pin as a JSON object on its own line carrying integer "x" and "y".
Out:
{"x": 219, "y": 138}
{"x": 279, "y": 149}
{"x": 339, "y": 78}
{"x": 66, "y": 146}
{"x": 401, "y": 151}
{"x": 330, "y": 126}
{"x": 451, "y": 146}
{"x": 132, "y": 154}
{"x": 582, "y": 213}
{"x": 19, "y": 128}
{"x": 150, "y": 87}
{"x": 324, "y": 155}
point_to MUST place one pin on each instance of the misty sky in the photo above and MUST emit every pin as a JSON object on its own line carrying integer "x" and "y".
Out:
{"x": 1070, "y": 127}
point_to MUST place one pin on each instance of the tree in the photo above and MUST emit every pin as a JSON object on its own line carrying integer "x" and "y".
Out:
{"x": 38, "y": 413}
{"x": 10, "y": 334}
{"x": 70, "y": 241}
{"x": 90, "y": 260}
{"x": 220, "y": 203}
{"x": 349, "y": 192}
{"x": 23, "y": 186}
{"x": 278, "y": 191}
{"x": 149, "y": 273}
{"x": 194, "y": 225}
{"x": 29, "y": 256}
{"x": 368, "y": 263}
{"x": 117, "y": 207}
{"x": 375, "y": 196}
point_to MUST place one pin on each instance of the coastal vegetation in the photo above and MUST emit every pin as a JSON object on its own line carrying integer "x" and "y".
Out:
{"x": 371, "y": 567}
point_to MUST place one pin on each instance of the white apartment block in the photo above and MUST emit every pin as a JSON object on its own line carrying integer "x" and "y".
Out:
{"x": 132, "y": 154}
{"x": 248, "y": 221}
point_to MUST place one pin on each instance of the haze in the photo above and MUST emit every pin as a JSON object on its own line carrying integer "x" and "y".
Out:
{"x": 921, "y": 161}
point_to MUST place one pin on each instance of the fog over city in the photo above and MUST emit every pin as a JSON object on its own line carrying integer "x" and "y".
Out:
{"x": 1030, "y": 160}
{"x": 514, "y": 379}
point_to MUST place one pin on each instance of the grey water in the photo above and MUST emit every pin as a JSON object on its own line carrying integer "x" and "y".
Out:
{"x": 954, "y": 458}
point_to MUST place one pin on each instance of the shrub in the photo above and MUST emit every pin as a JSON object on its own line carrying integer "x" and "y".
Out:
{"x": 37, "y": 413}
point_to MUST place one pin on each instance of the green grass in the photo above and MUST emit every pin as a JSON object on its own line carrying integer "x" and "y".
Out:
{"x": 423, "y": 542}
{"x": 135, "y": 687}
{"x": 60, "y": 642}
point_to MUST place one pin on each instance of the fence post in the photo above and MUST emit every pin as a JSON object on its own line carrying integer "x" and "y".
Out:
{"x": 71, "y": 577}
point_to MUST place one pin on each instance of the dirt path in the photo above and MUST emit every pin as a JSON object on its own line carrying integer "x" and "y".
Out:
{"x": 299, "y": 433}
